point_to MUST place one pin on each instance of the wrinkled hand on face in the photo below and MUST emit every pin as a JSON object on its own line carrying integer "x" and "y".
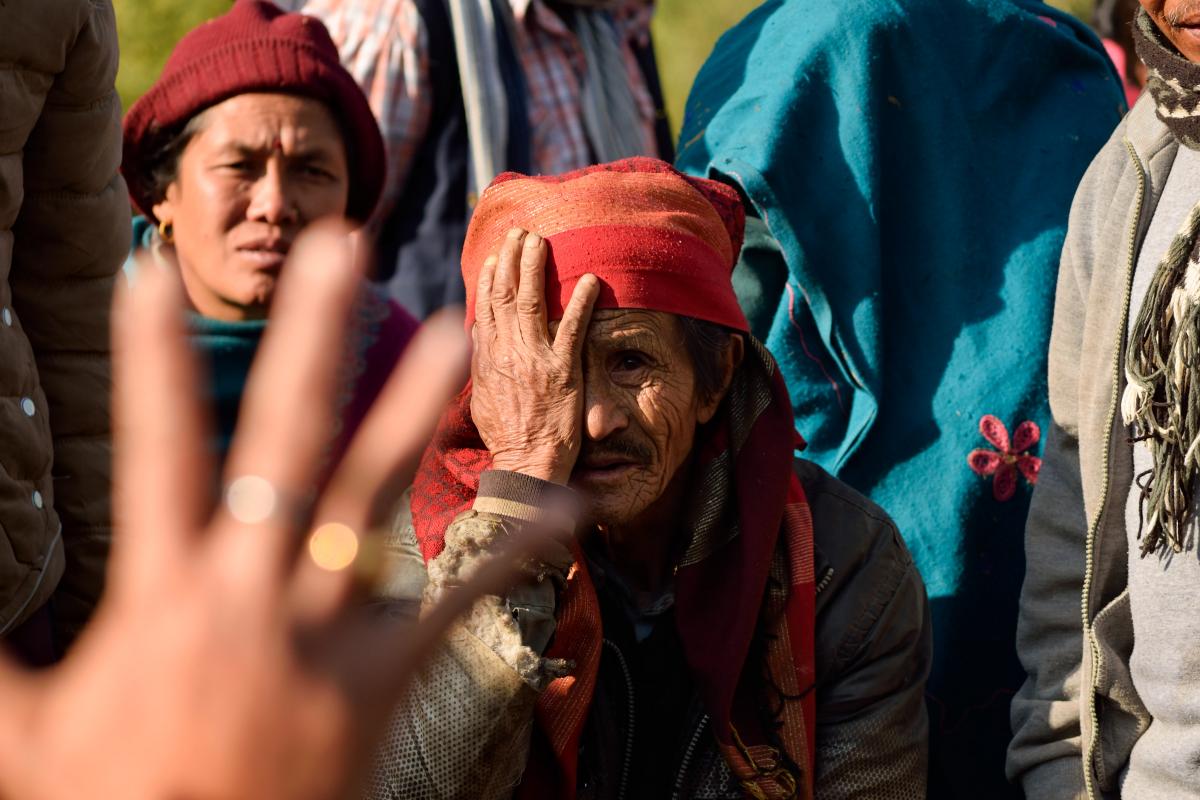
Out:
{"x": 527, "y": 387}
{"x": 605, "y": 401}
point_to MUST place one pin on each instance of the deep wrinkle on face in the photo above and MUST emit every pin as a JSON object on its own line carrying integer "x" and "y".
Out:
{"x": 262, "y": 168}
{"x": 1179, "y": 21}
{"x": 640, "y": 413}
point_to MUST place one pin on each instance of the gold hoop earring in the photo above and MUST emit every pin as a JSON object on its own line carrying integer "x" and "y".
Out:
{"x": 166, "y": 232}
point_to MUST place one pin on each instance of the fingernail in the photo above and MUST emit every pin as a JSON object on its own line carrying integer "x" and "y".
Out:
{"x": 515, "y": 233}
{"x": 490, "y": 260}
{"x": 533, "y": 240}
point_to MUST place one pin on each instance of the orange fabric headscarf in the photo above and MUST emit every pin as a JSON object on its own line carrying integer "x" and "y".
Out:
{"x": 656, "y": 238}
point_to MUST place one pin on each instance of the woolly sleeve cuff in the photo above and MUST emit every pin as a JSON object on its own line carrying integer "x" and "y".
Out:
{"x": 523, "y": 497}
{"x": 517, "y": 627}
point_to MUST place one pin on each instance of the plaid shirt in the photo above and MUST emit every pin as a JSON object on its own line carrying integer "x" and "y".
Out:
{"x": 384, "y": 45}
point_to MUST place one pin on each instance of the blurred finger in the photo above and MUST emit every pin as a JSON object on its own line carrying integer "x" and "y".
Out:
{"x": 568, "y": 341}
{"x": 380, "y": 464}
{"x": 531, "y": 294}
{"x": 21, "y": 695}
{"x": 285, "y": 423}
{"x": 162, "y": 473}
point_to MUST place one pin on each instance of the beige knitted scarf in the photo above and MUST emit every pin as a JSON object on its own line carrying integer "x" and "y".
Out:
{"x": 1161, "y": 401}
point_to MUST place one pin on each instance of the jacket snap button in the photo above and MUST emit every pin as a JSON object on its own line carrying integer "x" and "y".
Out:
{"x": 37, "y": 500}
{"x": 28, "y": 407}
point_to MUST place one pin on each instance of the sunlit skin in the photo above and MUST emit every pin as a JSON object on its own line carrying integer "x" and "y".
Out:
{"x": 602, "y": 400}
{"x": 1179, "y": 21}
{"x": 262, "y": 168}
{"x": 640, "y": 412}
{"x": 640, "y": 416}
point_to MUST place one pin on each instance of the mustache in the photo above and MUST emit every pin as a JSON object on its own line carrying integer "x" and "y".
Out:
{"x": 615, "y": 448}
{"x": 1177, "y": 16}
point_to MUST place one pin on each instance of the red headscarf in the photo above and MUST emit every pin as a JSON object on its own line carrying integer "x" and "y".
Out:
{"x": 663, "y": 241}
{"x": 657, "y": 239}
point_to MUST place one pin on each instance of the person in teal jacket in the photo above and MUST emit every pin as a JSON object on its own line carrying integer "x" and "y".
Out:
{"x": 910, "y": 165}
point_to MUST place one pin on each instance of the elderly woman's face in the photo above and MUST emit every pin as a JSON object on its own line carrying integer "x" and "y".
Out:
{"x": 640, "y": 413}
{"x": 261, "y": 168}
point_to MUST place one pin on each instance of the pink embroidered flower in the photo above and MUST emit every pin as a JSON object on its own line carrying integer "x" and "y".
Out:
{"x": 1008, "y": 458}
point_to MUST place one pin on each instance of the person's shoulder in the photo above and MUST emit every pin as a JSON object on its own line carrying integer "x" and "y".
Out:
{"x": 863, "y": 567}
{"x": 847, "y": 525}
{"x": 1134, "y": 160}
{"x": 378, "y": 302}
{"x": 373, "y": 25}
{"x": 385, "y": 326}
{"x": 1141, "y": 133}
{"x": 1143, "y": 129}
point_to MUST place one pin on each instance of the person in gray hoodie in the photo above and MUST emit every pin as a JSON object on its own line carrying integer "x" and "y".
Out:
{"x": 1109, "y": 630}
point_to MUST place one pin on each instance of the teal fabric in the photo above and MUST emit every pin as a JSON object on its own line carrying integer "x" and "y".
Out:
{"x": 910, "y": 164}
{"x": 377, "y": 335}
{"x": 227, "y": 348}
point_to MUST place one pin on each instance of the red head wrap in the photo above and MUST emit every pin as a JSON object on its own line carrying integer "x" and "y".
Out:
{"x": 657, "y": 239}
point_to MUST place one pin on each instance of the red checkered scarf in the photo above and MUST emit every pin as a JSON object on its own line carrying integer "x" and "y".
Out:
{"x": 720, "y": 586}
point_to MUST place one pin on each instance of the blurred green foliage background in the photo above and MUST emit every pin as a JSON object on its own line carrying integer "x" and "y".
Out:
{"x": 148, "y": 30}
{"x": 1080, "y": 8}
{"x": 684, "y": 32}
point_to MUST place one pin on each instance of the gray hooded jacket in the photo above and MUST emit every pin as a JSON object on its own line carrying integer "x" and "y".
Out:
{"x": 1078, "y": 716}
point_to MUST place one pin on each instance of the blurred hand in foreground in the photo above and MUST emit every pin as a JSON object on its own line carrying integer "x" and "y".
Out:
{"x": 227, "y": 660}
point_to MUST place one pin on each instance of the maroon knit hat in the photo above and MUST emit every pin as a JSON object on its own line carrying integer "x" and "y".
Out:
{"x": 256, "y": 47}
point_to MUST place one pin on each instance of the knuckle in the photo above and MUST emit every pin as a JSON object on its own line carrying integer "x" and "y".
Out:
{"x": 528, "y": 305}
{"x": 504, "y": 296}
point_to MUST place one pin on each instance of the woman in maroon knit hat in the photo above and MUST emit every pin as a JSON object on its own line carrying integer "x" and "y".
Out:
{"x": 253, "y": 132}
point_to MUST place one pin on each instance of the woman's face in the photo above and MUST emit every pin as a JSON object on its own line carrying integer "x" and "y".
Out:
{"x": 260, "y": 169}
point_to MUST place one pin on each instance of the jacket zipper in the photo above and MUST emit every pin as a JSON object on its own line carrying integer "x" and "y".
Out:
{"x": 627, "y": 764}
{"x": 687, "y": 757}
{"x": 1093, "y": 755}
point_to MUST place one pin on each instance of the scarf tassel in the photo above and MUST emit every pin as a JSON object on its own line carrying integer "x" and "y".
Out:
{"x": 1161, "y": 401}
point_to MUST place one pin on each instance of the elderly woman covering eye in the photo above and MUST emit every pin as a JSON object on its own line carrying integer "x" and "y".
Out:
{"x": 253, "y": 132}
